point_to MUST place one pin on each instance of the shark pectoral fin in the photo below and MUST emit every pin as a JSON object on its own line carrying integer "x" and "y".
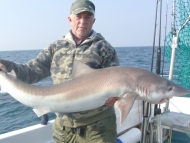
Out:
{"x": 40, "y": 112}
{"x": 124, "y": 105}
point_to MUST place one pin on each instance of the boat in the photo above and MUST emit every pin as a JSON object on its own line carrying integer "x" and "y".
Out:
{"x": 155, "y": 126}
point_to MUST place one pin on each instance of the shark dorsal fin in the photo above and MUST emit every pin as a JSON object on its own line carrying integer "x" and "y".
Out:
{"x": 79, "y": 69}
{"x": 12, "y": 73}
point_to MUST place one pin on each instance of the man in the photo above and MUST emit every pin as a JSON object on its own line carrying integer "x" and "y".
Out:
{"x": 83, "y": 44}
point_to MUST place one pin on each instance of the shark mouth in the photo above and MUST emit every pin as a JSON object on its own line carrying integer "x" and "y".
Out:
{"x": 163, "y": 100}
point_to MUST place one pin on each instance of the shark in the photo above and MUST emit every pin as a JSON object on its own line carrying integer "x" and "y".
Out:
{"x": 90, "y": 88}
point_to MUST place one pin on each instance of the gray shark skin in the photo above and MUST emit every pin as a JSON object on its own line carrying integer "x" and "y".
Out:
{"x": 90, "y": 88}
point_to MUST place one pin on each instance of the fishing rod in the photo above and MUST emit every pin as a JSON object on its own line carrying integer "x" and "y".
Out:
{"x": 165, "y": 38}
{"x": 155, "y": 25}
{"x": 147, "y": 105}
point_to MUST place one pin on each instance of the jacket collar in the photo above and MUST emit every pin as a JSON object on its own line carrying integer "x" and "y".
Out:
{"x": 70, "y": 37}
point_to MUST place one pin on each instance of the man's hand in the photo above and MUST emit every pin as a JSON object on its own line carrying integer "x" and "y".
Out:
{"x": 3, "y": 68}
{"x": 111, "y": 101}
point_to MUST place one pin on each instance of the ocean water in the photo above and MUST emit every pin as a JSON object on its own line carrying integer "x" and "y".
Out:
{"x": 14, "y": 115}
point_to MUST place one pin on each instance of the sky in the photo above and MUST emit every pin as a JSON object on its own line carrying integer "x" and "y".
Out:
{"x": 34, "y": 24}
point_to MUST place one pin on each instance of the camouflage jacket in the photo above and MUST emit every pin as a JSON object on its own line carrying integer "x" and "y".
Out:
{"x": 56, "y": 61}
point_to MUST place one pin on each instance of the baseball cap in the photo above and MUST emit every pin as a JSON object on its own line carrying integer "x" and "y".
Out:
{"x": 79, "y": 6}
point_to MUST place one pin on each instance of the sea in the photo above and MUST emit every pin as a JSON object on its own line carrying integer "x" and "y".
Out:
{"x": 14, "y": 115}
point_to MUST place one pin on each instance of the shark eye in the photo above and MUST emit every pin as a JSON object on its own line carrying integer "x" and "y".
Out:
{"x": 170, "y": 88}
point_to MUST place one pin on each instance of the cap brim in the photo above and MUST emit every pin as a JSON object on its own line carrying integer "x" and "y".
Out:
{"x": 79, "y": 10}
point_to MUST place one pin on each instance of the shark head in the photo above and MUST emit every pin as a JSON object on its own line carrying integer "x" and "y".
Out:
{"x": 165, "y": 90}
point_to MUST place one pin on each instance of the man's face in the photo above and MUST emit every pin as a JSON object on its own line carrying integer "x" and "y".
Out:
{"x": 81, "y": 24}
